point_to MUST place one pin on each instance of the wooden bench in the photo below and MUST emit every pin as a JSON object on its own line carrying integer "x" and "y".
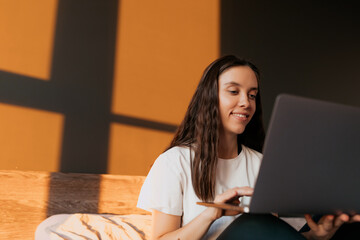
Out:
{"x": 29, "y": 197}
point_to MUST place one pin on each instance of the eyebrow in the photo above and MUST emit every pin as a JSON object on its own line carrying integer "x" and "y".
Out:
{"x": 237, "y": 84}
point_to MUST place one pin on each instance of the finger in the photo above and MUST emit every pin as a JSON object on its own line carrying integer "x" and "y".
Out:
{"x": 355, "y": 218}
{"x": 227, "y": 195}
{"x": 312, "y": 225}
{"x": 340, "y": 220}
{"x": 244, "y": 191}
{"x": 328, "y": 222}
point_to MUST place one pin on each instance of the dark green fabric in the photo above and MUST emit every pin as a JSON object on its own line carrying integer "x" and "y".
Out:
{"x": 259, "y": 226}
{"x": 267, "y": 226}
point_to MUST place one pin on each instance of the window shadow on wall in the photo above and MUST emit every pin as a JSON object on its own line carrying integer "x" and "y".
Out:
{"x": 80, "y": 87}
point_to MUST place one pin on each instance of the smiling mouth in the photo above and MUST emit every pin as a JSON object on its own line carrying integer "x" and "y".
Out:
{"x": 240, "y": 115}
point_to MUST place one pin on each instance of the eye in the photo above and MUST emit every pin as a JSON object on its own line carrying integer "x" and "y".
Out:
{"x": 233, "y": 91}
{"x": 252, "y": 96}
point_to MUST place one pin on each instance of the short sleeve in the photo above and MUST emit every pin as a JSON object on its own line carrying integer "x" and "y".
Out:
{"x": 162, "y": 189}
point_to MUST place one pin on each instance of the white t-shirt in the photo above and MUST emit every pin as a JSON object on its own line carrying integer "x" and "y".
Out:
{"x": 168, "y": 187}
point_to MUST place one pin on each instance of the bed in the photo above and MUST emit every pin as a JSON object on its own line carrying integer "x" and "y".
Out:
{"x": 74, "y": 206}
{"x": 42, "y": 201}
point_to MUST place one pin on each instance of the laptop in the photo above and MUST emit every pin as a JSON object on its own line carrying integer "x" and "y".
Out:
{"x": 311, "y": 160}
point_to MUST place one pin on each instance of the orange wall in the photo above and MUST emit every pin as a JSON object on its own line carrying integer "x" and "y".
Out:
{"x": 26, "y": 36}
{"x": 162, "y": 48}
{"x": 30, "y": 139}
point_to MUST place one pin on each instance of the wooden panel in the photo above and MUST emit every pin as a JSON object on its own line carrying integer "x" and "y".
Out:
{"x": 27, "y": 198}
{"x": 119, "y": 194}
{"x": 23, "y": 197}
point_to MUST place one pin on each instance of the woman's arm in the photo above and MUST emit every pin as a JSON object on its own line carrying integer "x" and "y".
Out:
{"x": 168, "y": 226}
{"x": 165, "y": 226}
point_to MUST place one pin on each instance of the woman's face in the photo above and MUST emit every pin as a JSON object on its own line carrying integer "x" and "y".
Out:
{"x": 238, "y": 87}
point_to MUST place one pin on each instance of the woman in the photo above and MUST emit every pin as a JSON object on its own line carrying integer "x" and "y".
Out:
{"x": 214, "y": 156}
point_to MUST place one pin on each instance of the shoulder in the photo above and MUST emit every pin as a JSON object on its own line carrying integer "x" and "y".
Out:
{"x": 253, "y": 159}
{"x": 175, "y": 154}
{"x": 251, "y": 153}
{"x": 163, "y": 186}
{"x": 177, "y": 151}
{"x": 174, "y": 159}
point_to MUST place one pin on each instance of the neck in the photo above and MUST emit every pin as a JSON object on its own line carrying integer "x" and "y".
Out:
{"x": 228, "y": 147}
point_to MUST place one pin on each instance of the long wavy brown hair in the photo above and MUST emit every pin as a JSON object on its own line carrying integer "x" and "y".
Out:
{"x": 200, "y": 128}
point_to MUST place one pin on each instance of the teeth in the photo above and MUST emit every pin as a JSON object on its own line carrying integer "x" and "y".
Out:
{"x": 239, "y": 115}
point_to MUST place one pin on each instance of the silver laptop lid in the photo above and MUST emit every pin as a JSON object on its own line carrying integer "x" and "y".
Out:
{"x": 311, "y": 159}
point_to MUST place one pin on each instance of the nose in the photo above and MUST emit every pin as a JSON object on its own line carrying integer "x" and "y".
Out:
{"x": 244, "y": 100}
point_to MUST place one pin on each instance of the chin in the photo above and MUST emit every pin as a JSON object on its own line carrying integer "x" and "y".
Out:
{"x": 239, "y": 131}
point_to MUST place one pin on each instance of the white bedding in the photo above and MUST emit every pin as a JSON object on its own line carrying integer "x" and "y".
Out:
{"x": 105, "y": 227}
{"x": 94, "y": 226}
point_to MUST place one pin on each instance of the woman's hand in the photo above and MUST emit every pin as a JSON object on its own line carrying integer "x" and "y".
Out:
{"x": 165, "y": 226}
{"x": 229, "y": 196}
{"x": 326, "y": 227}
